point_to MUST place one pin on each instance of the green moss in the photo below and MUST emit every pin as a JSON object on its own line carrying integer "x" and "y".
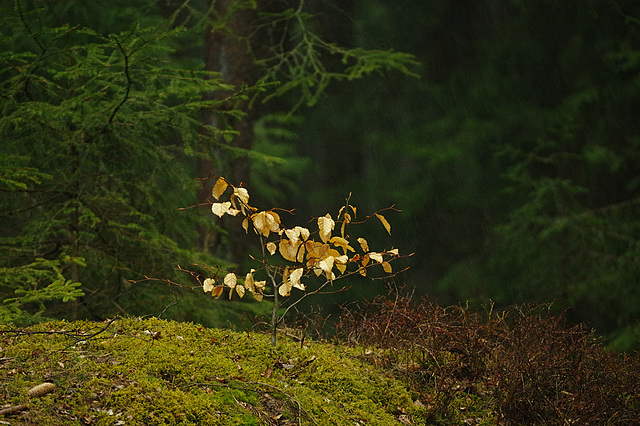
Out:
{"x": 156, "y": 372}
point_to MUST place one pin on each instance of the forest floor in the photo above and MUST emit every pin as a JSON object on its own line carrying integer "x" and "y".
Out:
{"x": 133, "y": 371}
{"x": 156, "y": 372}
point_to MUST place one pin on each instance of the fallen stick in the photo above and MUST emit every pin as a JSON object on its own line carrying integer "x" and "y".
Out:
{"x": 12, "y": 410}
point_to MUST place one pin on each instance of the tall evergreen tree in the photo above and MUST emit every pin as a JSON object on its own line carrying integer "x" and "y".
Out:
{"x": 91, "y": 121}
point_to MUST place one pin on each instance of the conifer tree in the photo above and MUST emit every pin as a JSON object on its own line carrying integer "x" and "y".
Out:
{"x": 95, "y": 129}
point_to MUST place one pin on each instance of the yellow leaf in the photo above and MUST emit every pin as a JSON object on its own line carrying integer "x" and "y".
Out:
{"x": 294, "y": 278}
{"x": 208, "y": 285}
{"x": 338, "y": 241}
{"x": 219, "y": 209}
{"x": 293, "y": 252}
{"x": 285, "y": 289}
{"x": 219, "y": 188}
{"x": 242, "y": 194}
{"x": 331, "y": 252}
{"x": 240, "y": 290}
{"x": 245, "y": 224}
{"x": 297, "y": 233}
{"x": 353, "y": 208}
{"x": 287, "y": 250}
{"x": 316, "y": 252}
{"x": 230, "y": 280}
{"x": 255, "y": 287}
{"x": 292, "y": 234}
{"x": 387, "y": 267}
{"x": 341, "y": 242}
{"x": 393, "y": 252}
{"x": 346, "y": 219}
{"x": 248, "y": 281}
{"x": 384, "y": 222}
{"x": 304, "y": 232}
{"x": 326, "y": 265}
{"x": 266, "y": 222}
{"x": 260, "y": 285}
{"x": 341, "y": 263}
{"x": 376, "y": 256}
{"x": 276, "y": 219}
{"x": 271, "y": 247}
{"x": 217, "y": 291}
{"x": 325, "y": 226}
{"x": 364, "y": 244}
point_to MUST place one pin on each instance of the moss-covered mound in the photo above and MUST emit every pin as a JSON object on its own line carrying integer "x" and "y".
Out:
{"x": 156, "y": 372}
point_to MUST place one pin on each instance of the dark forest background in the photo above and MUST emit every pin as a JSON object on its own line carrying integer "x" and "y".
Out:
{"x": 507, "y": 132}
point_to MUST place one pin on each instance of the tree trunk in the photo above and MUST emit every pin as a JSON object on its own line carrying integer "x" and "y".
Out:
{"x": 227, "y": 51}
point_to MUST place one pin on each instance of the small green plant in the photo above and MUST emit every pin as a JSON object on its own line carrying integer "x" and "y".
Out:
{"x": 31, "y": 285}
{"x": 323, "y": 255}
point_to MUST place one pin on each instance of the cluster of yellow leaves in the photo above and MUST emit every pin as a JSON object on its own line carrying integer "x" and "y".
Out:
{"x": 296, "y": 245}
{"x": 231, "y": 280}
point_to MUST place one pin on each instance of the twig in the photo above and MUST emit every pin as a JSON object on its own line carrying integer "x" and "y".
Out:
{"x": 126, "y": 73}
{"x": 173, "y": 302}
{"x": 76, "y": 337}
{"x": 395, "y": 303}
{"x": 12, "y": 410}
{"x": 298, "y": 403}
{"x": 319, "y": 289}
{"x": 26, "y": 26}
{"x": 251, "y": 389}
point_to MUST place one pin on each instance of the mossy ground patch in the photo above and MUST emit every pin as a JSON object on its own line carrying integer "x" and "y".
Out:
{"x": 152, "y": 372}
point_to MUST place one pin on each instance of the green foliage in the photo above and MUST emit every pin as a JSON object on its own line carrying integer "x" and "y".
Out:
{"x": 572, "y": 229}
{"x": 34, "y": 284}
{"x": 276, "y": 170}
{"x": 514, "y": 157}
{"x": 298, "y": 63}
{"x": 15, "y": 176}
{"x": 95, "y": 128}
